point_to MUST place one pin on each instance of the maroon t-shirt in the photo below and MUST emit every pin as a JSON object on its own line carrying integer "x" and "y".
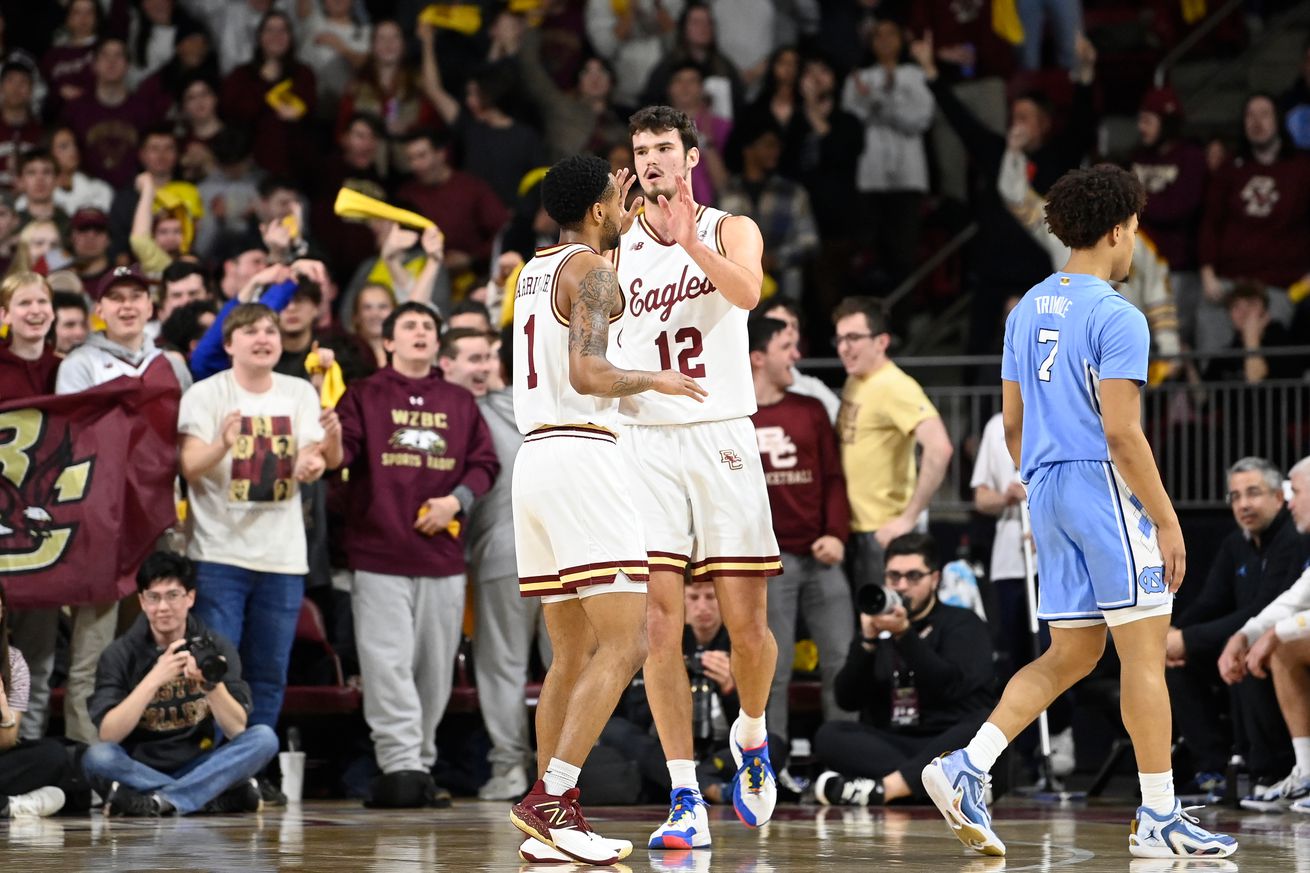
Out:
{"x": 68, "y": 65}
{"x": 109, "y": 136}
{"x": 1257, "y": 220}
{"x": 465, "y": 208}
{"x": 406, "y": 441}
{"x": 802, "y": 468}
{"x": 21, "y": 378}
{"x": 1175, "y": 180}
{"x": 14, "y": 141}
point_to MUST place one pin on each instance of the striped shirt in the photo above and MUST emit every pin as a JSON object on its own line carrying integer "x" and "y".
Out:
{"x": 20, "y": 681}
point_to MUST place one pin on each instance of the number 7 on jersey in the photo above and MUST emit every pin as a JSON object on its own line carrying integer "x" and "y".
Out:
{"x": 1044, "y": 336}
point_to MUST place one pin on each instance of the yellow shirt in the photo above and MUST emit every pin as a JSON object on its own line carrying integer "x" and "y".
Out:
{"x": 876, "y": 425}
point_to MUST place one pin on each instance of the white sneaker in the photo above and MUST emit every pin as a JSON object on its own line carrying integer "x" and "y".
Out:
{"x": 42, "y": 802}
{"x": 534, "y": 851}
{"x": 1175, "y": 834}
{"x": 754, "y": 788}
{"x": 1062, "y": 758}
{"x": 688, "y": 824}
{"x": 1302, "y": 806}
{"x": 1277, "y": 797}
{"x": 509, "y": 784}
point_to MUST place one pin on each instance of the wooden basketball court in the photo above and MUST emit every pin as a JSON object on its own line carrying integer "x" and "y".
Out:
{"x": 475, "y": 836}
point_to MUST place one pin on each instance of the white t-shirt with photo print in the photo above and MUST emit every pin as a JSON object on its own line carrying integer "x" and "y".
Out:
{"x": 245, "y": 511}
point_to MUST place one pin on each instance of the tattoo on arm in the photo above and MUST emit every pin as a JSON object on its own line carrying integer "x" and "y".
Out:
{"x": 589, "y": 322}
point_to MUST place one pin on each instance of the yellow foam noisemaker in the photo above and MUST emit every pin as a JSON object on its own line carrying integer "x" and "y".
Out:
{"x": 352, "y": 204}
{"x": 1298, "y": 290}
{"x": 334, "y": 384}
{"x": 507, "y": 308}
{"x": 522, "y": 6}
{"x": 453, "y": 528}
{"x": 1005, "y": 21}
{"x": 462, "y": 18}
{"x": 282, "y": 95}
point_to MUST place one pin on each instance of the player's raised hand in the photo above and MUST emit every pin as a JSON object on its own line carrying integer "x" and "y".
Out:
{"x": 1175, "y": 556}
{"x": 681, "y": 213}
{"x": 675, "y": 383}
{"x": 624, "y": 179}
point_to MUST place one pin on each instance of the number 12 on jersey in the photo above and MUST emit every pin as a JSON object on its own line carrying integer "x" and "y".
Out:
{"x": 1044, "y": 336}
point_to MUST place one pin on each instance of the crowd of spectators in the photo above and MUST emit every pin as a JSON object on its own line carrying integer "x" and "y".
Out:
{"x": 167, "y": 176}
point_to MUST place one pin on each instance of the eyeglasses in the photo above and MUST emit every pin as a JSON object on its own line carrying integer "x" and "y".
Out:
{"x": 838, "y": 340}
{"x": 912, "y": 576}
{"x": 154, "y": 598}
{"x": 1250, "y": 494}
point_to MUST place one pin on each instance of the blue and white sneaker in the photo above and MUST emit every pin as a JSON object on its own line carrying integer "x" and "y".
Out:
{"x": 688, "y": 824}
{"x": 1302, "y": 806}
{"x": 958, "y": 789}
{"x": 1279, "y": 796}
{"x": 1175, "y": 834}
{"x": 755, "y": 787}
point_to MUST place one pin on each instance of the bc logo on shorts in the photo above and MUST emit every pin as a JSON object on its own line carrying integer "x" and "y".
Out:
{"x": 1151, "y": 580}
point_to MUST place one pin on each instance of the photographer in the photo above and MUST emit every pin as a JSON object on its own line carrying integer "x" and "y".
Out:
{"x": 921, "y": 676}
{"x": 161, "y": 689}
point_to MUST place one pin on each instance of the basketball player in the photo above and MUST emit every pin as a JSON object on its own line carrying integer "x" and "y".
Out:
{"x": 690, "y": 276}
{"x": 1109, "y": 548}
{"x": 578, "y": 539}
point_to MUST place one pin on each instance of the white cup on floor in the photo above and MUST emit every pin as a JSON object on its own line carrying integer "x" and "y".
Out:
{"x": 293, "y": 774}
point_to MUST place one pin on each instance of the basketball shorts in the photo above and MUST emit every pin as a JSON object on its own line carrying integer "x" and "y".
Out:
{"x": 576, "y": 532}
{"x": 1098, "y": 555}
{"x": 699, "y": 490}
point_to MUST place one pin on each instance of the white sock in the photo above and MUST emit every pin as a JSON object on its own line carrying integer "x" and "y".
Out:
{"x": 1157, "y": 790}
{"x": 560, "y": 777}
{"x": 986, "y": 746}
{"x": 751, "y": 732}
{"x": 1301, "y": 745}
{"x": 682, "y": 773}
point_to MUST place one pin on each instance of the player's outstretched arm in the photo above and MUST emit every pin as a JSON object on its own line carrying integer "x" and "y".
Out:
{"x": 593, "y": 302}
{"x": 1121, "y": 413}
{"x": 738, "y": 274}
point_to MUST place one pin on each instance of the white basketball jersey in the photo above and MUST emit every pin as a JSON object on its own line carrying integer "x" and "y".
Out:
{"x": 675, "y": 319}
{"x": 543, "y": 396}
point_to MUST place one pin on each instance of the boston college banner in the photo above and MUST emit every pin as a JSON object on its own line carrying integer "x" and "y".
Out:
{"x": 86, "y": 488}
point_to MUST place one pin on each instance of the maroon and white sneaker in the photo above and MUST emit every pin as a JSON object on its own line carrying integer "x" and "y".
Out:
{"x": 558, "y": 823}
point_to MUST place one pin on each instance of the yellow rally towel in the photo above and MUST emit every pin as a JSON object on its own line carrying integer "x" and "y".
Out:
{"x": 1193, "y": 10}
{"x": 352, "y": 204}
{"x": 806, "y": 656}
{"x": 507, "y": 308}
{"x": 182, "y": 201}
{"x": 462, "y": 18}
{"x": 1005, "y": 21}
{"x": 1299, "y": 290}
{"x": 282, "y": 95}
{"x": 334, "y": 385}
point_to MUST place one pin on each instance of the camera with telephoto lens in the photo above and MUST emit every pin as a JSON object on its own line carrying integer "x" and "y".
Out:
{"x": 876, "y": 600}
{"x": 702, "y": 689}
{"x": 210, "y": 661}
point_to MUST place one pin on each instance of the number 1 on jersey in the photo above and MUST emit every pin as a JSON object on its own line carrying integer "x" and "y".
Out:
{"x": 1044, "y": 336}
{"x": 530, "y": 328}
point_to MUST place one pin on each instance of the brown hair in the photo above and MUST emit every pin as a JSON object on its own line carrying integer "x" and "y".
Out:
{"x": 245, "y": 315}
{"x": 875, "y": 314}
{"x": 450, "y": 340}
{"x": 358, "y": 304}
{"x": 9, "y": 287}
{"x": 657, "y": 119}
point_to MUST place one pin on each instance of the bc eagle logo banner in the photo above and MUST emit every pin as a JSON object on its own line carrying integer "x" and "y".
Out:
{"x": 86, "y": 488}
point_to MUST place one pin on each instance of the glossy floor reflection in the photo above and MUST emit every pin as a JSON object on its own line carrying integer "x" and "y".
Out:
{"x": 472, "y": 836}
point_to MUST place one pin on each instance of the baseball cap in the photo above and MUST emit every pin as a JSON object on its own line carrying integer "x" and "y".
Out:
{"x": 1163, "y": 101}
{"x": 122, "y": 276}
{"x": 88, "y": 217}
{"x": 18, "y": 64}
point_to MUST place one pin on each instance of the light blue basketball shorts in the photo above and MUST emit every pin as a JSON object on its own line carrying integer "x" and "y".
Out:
{"x": 1098, "y": 555}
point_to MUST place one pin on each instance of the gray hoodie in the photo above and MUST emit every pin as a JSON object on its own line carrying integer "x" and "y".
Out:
{"x": 99, "y": 360}
{"x": 491, "y": 523}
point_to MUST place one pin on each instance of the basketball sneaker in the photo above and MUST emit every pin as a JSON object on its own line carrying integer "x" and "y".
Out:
{"x": 834, "y": 789}
{"x": 958, "y": 789}
{"x": 39, "y": 803}
{"x": 558, "y": 822}
{"x": 1175, "y": 834}
{"x": 1277, "y": 797}
{"x": 534, "y": 851}
{"x": 1302, "y": 806}
{"x": 688, "y": 824}
{"x": 754, "y": 788}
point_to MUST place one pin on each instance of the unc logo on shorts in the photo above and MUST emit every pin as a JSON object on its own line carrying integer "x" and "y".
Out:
{"x": 1151, "y": 580}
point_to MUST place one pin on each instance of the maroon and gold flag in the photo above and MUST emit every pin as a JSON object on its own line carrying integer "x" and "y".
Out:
{"x": 86, "y": 488}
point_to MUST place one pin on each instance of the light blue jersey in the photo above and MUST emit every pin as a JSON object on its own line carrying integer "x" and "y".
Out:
{"x": 1097, "y": 550}
{"x": 1067, "y": 334}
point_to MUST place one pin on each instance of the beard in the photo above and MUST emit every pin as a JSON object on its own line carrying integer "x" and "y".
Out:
{"x": 609, "y": 235}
